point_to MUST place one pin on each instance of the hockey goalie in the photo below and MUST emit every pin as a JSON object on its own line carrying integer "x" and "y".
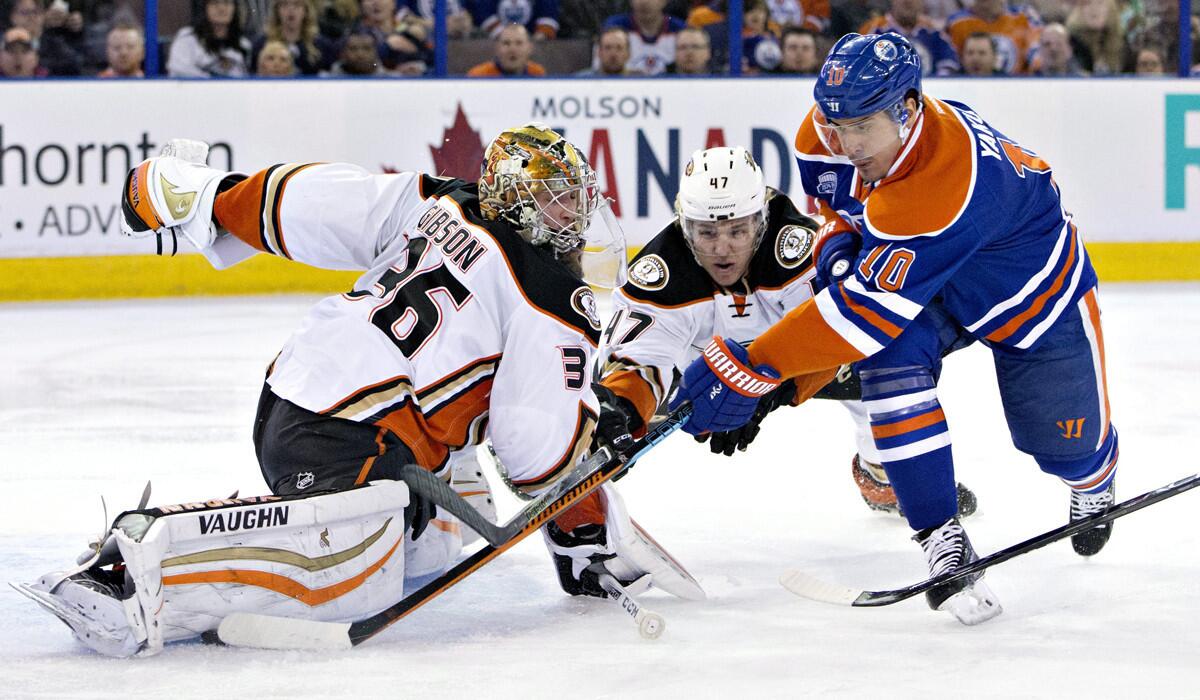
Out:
{"x": 473, "y": 319}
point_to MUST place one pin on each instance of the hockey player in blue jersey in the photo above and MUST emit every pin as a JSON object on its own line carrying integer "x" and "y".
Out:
{"x": 948, "y": 232}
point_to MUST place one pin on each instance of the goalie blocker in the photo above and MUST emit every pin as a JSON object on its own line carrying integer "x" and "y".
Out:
{"x": 173, "y": 573}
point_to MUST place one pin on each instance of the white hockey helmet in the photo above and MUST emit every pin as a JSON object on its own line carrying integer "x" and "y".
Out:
{"x": 721, "y": 184}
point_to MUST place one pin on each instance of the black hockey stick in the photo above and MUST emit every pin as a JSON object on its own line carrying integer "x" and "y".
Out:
{"x": 268, "y": 632}
{"x": 808, "y": 587}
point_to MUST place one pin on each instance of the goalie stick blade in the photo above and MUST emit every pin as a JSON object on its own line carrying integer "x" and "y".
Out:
{"x": 812, "y": 588}
{"x": 285, "y": 633}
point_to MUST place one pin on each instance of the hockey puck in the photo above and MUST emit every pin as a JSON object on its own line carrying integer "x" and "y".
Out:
{"x": 652, "y": 626}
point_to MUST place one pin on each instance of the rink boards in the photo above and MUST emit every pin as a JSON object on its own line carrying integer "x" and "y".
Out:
{"x": 1126, "y": 154}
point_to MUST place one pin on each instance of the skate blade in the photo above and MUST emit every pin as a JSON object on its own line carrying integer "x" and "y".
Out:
{"x": 973, "y": 605}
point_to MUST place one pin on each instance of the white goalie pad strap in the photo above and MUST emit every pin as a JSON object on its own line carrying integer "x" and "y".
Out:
{"x": 638, "y": 553}
{"x": 329, "y": 557}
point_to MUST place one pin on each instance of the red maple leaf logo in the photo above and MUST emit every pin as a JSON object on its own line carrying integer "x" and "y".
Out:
{"x": 461, "y": 153}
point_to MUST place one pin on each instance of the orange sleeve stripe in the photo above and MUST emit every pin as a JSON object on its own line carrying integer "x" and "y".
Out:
{"x": 588, "y": 511}
{"x": 370, "y": 461}
{"x": 868, "y": 315}
{"x": 802, "y": 343}
{"x": 1004, "y": 332}
{"x": 282, "y": 584}
{"x": 1094, "y": 316}
{"x": 631, "y": 386}
{"x": 809, "y": 384}
{"x": 908, "y": 425}
{"x": 239, "y": 209}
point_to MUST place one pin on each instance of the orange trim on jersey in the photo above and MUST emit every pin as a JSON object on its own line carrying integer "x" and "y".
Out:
{"x": 631, "y": 386}
{"x": 868, "y": 315}
{"x": 802, "y": 342}
{"x": 582, "y": 435}
{"x": 590, "y": 510}
{"x": 446, "y": 526}
{"x": 908, "y": 425}
{"x": 450, "y": 422}
{"x": 1094, "y": 315}
{"x": 807, "y": 385}
{"x": 927, "y": 192}
{"x": 370, "y": 461}
{"x": 277, "y": 206}
{"x": 139, "y": 196}
{"x": 239, "y": 209}
{"x": 409, "y": 425}
{"x": 1004, "y": 332}
{"x": 279, "y": 583}
{"x": 807, "y": 142}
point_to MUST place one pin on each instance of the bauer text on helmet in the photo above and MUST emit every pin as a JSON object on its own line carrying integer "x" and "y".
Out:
{"x": 722, "y": 210}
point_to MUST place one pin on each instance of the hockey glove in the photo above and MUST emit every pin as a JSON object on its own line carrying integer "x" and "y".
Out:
{"x": 723, "y": 390}
{"x": 618, "y": 418}
{"x": 418, "y": 513}
{"x": 835, "y": 252}
{"x": 726, "y": 442}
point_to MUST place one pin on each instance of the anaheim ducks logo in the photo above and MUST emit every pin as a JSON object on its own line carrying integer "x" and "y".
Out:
{"x": 649, "y": 273}
{"x": 584, "y": 303}
{"x": 793, "y": 246}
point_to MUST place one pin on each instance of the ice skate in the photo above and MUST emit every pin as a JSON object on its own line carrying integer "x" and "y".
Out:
{"x": 467, "y": 478}
{"x": 877, "y": 491}
{"x": 90, "y": 604}
{"x": 968, "y": 599}
{"x": 1091, "y": 541}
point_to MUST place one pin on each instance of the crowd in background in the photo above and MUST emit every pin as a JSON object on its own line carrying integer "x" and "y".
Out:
{"x": 608, "y": 38}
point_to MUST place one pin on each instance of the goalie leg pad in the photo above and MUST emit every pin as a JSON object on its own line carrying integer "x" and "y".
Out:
{"x": 328, "y": 557}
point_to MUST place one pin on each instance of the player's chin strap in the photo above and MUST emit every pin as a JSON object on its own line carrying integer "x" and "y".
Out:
{"x": 268, "y": 632}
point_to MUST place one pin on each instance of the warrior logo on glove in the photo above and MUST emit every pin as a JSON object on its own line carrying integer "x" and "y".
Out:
{"x": 734, "y": 374}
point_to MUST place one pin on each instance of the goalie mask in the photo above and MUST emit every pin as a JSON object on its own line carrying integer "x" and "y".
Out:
{"x": 722, "y": 210}
{"x": 542, "y": 184}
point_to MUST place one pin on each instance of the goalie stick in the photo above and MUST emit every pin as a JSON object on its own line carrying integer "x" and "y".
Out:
{"x": 269, "y": 632}
{"x": 807, "y": 586}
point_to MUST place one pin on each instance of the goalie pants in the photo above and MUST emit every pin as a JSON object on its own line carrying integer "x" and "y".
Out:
{"x": 1054, "y": 397}
{"x": 300, "y": 451}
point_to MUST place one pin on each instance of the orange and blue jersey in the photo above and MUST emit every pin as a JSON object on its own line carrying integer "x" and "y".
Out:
{"x": 965, "y": 215}
{"x": 1015, "y": 32}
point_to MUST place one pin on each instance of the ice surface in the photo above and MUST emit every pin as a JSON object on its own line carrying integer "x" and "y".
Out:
{"x": 96, "y": 398}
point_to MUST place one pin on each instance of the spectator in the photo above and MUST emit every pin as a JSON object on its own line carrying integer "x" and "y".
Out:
{"x": 807, "y": 14}
{"x": 651, "y": 35}
{"x": 800, "y": 55}
{"x": 979, "y": 55}
{"x": 692, "y": 53}
{"x": 275, "y": 61}
{"x": 126, "y": 49}
{"x": 293, "y": 23}
{"x": 378, "y": 18}
{"x": 359, "y": 58}
{"x": 539, "y": 17}
{"x": 583, "y": 19}
{"x": 17, "y": 57}
{"x": 848, "y": 15}
{"x": 1054, "y": 56}
{"x": 760, "y": 38}
{"x": 1014, "y": 32}
{"x": 938, "y": 57}
{"x": 213, "y": 46}
{"x": 612, "y": 55}
{"x": 458, "y": 19}
{"x": 1096, "y": 25}
{"x": 1150, "y": 60}
{"x": 335, "y": 18}
{"x": 406, "y": 51}
{"x": 513, "y": 50}
{"x": 55, "y": 34}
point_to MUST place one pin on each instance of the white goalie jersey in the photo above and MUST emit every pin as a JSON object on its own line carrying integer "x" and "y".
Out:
{"x": 457, "y": 328}
{"x": 670, "y": 308}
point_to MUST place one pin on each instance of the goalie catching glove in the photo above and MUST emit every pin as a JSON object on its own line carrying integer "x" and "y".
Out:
{"x": 173, "y": 195}
{"x": 596, "y": 536}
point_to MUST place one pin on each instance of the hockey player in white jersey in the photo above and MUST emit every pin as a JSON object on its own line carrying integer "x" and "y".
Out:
{"x": 471, "y": 318}
{"x": 737, "y": 257}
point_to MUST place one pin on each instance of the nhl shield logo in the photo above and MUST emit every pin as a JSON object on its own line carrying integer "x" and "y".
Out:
{"x": 649, "y": 273}
{"x": 304, "y": 480}
{"x": 793, "y": 245}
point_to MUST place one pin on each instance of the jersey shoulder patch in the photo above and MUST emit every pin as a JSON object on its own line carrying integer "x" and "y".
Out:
{"x": 666, "y": 274}
{"x": 930, "y": 193}
{"x": 785, "y": 253}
